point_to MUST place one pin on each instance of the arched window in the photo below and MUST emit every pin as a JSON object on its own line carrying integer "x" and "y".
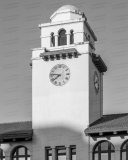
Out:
{"x": 124, "y": 150}
{"x": 2, "y": 155}
{"x": 71, "y": 37}
{"x": 20, "y": 153}
{"x": 52, "y": 40}
{"x": 62, "y": 38}
{"x": 103, "y": 150}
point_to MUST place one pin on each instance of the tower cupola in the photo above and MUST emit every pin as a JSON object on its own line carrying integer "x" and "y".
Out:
{"x": 67, "y": 12}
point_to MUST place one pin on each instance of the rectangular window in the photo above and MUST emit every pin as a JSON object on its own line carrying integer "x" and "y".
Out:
{"x": 73, "y": 152}
{"x": 48, "y": 153}
{"x": 60, "y": 153}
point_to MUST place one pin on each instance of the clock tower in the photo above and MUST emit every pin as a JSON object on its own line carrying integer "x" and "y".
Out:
{"x": 67, "y": 86}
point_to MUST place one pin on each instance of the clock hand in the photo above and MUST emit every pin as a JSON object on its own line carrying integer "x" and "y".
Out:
{"x": 57, "y": 77}
{"x": 55, "y": 74}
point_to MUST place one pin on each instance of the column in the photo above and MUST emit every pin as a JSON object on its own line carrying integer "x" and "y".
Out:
{"x": 117, "y": 154}
{"x": 56, "y": 40}
{"x": 68, "y": 38}
{"x": 68, "y": 153}
{"x": 54, "y": 153}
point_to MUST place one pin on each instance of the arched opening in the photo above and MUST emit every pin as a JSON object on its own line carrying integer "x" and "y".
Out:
{"x": 124, "y": 150}
{"x": 2, "y": 154}
{"x": 62, "y": 39}
{"x": 103, "y": 150}
{"x": 71, "y": 37}
{"x": 20, "y": 153}
{"x": 52, "y": 40}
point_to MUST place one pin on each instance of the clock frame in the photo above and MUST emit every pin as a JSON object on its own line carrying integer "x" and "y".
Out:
{"x": 59, "y": 75}
{"x": 96, "y": 82}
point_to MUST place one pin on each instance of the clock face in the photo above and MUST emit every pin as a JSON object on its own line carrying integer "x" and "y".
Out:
{"x": 96, "y": 82}
{"x": 59, "y": 75}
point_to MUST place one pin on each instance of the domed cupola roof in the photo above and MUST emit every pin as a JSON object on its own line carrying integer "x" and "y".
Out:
{"x": 66, "y": 12}
{"x": 70, "y": 7}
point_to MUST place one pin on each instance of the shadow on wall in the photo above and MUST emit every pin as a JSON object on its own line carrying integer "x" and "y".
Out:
{"x": 59, "y": 136}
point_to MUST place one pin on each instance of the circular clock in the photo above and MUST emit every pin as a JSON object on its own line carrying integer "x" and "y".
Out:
{"x": 59, "y": 75}
{"x": 96, "y": 82}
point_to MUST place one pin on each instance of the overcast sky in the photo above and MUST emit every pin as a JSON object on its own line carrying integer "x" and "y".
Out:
{"x": 19, "y": 33}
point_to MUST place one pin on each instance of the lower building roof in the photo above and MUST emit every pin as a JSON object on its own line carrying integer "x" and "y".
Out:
{"x": 113, "y": 123}
{"x": 16, "y": 130}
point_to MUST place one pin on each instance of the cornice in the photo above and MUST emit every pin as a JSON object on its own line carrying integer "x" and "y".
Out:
{"x": 61, "y": 22}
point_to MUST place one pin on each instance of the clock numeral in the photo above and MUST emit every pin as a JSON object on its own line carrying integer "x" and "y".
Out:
{"x": 66, "y": 69}
{"x": 67, "y": 73}
{"x": 52, "y": 79}
{"x": 51, "y": 75}
{"x": 55, "y": 82}
{"x": 63, "y": 67}
{"x": 60, "y": 83}
{"x": 53, "y": 70}
{"x": 66, "y": 78}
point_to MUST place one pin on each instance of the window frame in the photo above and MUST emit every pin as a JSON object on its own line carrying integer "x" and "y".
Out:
{"x": 61, "y": 37}
{"x": 47, "y": 154}
{"x": 2, "y": 154}
{"x": 124, "y": 150}
{"x": 57, "y": 149}
{"x": 99, "y": 152}
{"x": 17, "y": 156}
{"x": 71, "y": 37}
{"x": 60, "y": 148}
{"x": 52, "y": 40}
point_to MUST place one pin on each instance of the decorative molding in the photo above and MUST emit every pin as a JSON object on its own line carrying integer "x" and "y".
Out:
{"x": 59, "y": 54}
{"x": 115, "y": 132}
{"x": 78, "y": 31}
{"x": 99, "y": 63}
{"x": 91, "y": 45}
{"x": 45, "y": 36}
{"x": 101, "y": 133}
{"x": 90, "y": 30}
{"x": 61, "y": 22}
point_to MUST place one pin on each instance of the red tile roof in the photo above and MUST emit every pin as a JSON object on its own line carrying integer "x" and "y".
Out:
{"x": 16, "y": 130}
{"x": 109, "y": 123}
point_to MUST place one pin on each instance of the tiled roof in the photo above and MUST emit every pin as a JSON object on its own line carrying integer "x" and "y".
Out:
{"x": 16, "y": 130}
{"x": 109, "y": 123}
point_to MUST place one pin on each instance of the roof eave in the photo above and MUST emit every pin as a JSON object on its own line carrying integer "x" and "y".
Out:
{"x": 99, "y": 63}
{"x": 25, "y": 135}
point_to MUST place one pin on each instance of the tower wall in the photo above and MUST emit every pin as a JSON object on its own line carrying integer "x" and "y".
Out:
{"x": 95, "y": 99}
{"x": 47, "y": 29}
{"x": 60, "y": 113}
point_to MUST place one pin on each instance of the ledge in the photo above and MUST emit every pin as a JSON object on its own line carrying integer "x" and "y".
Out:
{"x": 60, "y": 54}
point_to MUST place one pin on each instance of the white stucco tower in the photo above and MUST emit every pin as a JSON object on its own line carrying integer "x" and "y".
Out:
{"x": 67, "y": 86}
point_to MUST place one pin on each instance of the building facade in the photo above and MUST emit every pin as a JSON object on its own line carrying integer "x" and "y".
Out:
{"x": 67, "y": 99}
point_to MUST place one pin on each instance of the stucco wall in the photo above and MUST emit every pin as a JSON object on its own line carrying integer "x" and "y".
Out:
{"x": 95, "y": 99}
{"x": 60, "y": 114}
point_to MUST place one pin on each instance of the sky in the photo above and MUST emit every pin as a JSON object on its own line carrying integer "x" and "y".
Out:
{"x": 19, "y": 33}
